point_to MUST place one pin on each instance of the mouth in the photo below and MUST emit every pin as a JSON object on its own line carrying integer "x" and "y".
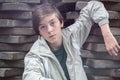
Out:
{"x": 52, "y": 36}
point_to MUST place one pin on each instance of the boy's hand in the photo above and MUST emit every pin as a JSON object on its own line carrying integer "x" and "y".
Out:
{"x": 111, "y": 43}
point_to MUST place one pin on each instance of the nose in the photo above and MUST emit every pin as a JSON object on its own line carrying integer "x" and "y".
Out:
{"x": 49, "y": 28}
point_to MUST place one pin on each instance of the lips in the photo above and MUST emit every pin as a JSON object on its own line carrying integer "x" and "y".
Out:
{"x": 51, "y": 36}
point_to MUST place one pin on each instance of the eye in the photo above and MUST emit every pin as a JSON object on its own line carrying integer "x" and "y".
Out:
{"x": 52, "y": 23}
{"x": 41, "y": 27}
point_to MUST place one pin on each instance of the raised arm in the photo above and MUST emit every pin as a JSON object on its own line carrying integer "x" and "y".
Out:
{"x": 94, "y": 12}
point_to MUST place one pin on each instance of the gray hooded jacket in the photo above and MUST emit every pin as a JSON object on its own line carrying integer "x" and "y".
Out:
{"x": 41, "y": 63}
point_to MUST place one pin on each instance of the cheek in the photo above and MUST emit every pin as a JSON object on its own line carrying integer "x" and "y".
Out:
{"x": 43, "y": 33}
{"x": 39, "y": 33}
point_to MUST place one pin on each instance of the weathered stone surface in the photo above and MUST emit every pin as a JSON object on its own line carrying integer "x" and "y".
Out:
{"x": 8, "y": 72}
{"x": 114, "y": 23}
{"x": 18, "y": 39}
{"x": 114, "y": 14}
{"x": 15, "y": 7}
{"x": 96, "y": 31}
{"x": 95, "y": 39}
{"x": 98, "y": 55}
{"x": 15, "y": 23}
{"x": 72, "y": 15}
{"x": 21, "y": 1}
{"x": 103, "y": 64}
{"x": 15, "y": 47}
{"x": 103, "y": 72}
{"x": 97, "y": 47}
{"x": 11, "y": 64}
{"x": 17, "y": 31}
{"x": 110, "y": 6}
{"x": 110, "y": 0}
{"x": 75, "y": 14}
{"x": 80, "y": 5}
{"x": 63, "y": 7}
{"x": 99, "y": 39}
{"x": 12, "y": 55}
{"x": 70, "y": 1}
{"x": 15, "y": 15}
{"x": 12, "y": 78}
{"x": 93, "y": 77}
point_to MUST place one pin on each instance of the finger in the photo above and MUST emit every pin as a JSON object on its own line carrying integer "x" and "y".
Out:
{"x": 112, "y": 52}
{"x": 116, "y": 49}
{"x": 118, "y": 46}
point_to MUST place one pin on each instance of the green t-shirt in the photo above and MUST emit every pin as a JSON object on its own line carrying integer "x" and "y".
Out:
{"x": 62, "y": 56}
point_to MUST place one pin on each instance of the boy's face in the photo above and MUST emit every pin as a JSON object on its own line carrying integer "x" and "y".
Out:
{"x": 50, "y": 28}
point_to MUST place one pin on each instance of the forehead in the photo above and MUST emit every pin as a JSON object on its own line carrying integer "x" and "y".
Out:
{"x": 48, "y": 18}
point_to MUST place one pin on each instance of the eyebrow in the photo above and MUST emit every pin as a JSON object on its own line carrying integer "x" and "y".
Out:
{"x": 52, "y": 19}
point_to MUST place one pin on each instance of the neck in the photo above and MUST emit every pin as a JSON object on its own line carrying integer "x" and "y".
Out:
{"x": 55, "y": 46}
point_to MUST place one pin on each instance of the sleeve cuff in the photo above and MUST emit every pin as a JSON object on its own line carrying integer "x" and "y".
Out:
{"x": 102, "y": 22}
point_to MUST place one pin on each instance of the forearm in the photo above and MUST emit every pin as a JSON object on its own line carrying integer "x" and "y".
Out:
{"x": 111, "y": 43}
{"x": 105, "y": 29}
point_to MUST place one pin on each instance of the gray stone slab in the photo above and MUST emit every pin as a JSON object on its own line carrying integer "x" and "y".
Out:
{"x": 17, "y": 39}
{"x": 75, "y": 14}
{"x": 20, "y": 1}
{"x": 17, "y": 31}
{"x": 72, "y": 15}
{"x": 65, "y": 7}
{"x": 114, "y": 23}
{"x": 110, "y": 0}
{"x": 97, "y": 47}
{"x": 103, "y": 72}
{"x": 15, "y": 7}
{"x": 114, "y": 14}
{"x": 96, "y": 31}
{"x": 15, "y": 47}
{"x": 95, "y": 39}
{"x": 8, "y": 72}
{"x": 12, "y": 78}
{"x": 15, "y": 23}
{"x": 71, "y": 1}
{"x": 12, "y": 55}
{"x": 11, "y": 63}
{"x": 98, "y": 55}
{"x": 99, "y": 39}
{"x": 80, "y": 5}
{"x": 110, "y": 6}
{"x": 93, "y": 77}
{"x": 103, "y": 64}
{"x": 15, "y": 15}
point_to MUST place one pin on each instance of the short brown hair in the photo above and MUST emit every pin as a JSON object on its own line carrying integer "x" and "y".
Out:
{"x": 41, "y": 11}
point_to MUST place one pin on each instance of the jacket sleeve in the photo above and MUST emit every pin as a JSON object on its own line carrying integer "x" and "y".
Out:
{"x": 34, "y": 69}
{"x": 93, "y": 12}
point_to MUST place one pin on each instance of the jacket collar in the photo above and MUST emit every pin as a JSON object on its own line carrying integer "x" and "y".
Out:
{"x": 40, "y": 47}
